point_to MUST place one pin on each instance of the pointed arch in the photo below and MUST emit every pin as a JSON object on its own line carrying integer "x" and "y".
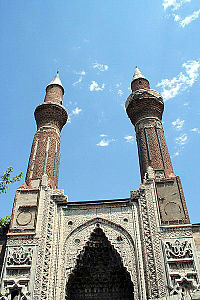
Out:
{"x": 99, "y": 272}
{"x": 102, "y": 221}
{"x": 118, "y": 237}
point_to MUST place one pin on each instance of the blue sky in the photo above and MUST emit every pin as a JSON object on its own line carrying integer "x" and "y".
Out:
{"x": 96, "y": 46}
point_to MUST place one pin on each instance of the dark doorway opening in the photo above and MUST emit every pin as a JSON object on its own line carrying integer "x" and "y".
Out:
{"x": 15, "y": 295}
{"x": 99, "y": 273}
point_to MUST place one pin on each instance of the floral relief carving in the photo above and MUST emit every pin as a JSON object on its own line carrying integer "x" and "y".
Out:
{"x": 178, "y": 249}
{"x": 181, "y": 265}
{"x": 20, "y": 256}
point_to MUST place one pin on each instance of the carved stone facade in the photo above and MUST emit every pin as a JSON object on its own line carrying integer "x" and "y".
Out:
{"x": 157, "y": 258}
{"x": 140, "y": 248}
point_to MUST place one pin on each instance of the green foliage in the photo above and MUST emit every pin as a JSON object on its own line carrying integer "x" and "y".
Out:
{"x": 6, "y": 179}
{"x": 4, "y": 222}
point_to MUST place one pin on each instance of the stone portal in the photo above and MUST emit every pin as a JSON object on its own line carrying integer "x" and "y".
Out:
{"x": 99, "y": 273}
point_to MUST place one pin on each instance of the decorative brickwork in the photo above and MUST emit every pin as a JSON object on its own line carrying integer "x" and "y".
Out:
{"x": 145, "y": 107}
{"x": 140, "y": 83}
{"x": 54, "y": 94}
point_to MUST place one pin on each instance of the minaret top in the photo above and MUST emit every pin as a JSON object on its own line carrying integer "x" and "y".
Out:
{"x": 139, "y": 81}
{"x": 138, "y": 74}
{"x": 56, "y": 80}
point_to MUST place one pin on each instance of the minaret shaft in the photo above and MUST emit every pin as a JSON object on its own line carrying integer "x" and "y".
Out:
{"x": 152, "y": 148}
{"x": 50, "y": 117}
{"x": 44, "y": 157}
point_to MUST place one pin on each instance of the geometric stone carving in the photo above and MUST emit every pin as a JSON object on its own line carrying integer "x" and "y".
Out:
{"x": 20, "y": 286}
{"x": 3, "y": 297}
{"x": 19, "y": 256}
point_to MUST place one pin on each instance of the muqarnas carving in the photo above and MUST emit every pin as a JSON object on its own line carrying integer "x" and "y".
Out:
{"x": 19, "y": 256}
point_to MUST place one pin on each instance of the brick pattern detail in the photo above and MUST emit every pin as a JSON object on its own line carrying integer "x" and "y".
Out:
{"x": 54, "y": 93}
{"x": 145, "y": 108}
{"x": 167, "y": 160}
{"x": 50, "y": 118}
{"x": 140, "y": 83}
{"x": 44, "y": 161}
{"x": 152, "y": 153}
{"x": 50, "y": 114}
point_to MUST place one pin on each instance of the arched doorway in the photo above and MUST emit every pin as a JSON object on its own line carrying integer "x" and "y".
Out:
{"x": 99, "y": 273}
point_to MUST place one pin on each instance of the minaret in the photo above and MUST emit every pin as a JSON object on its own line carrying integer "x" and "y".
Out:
{"x": 144, "y": 107}
{"x": 50, "y": 117}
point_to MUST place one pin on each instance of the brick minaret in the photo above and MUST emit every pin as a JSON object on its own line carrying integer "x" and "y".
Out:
{"x": 145, "y": 107}
{"x": 50, "y": 117}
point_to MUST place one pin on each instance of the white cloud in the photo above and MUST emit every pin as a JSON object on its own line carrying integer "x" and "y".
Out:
{"x": 78, "y": 81}
{"x": 105, "y": 142}
{"x": 76, "y": 111}
{"x": 94, "y": 86}
{"x": 181, "y": 82}
{"x": 178, "y": 123}
{"x": 177, "y": 153}
{"x": 176, "y": 18}
{"x": 182, "y": 140}
{"x": 69, "y": 120}
{"x": 118, "y": 84}
{"x": 81, "y": 73}
{"x": 100, "y": 67}
{"x": 129, "y": 139}
{"x": 174, "y": 4}
{"x": 120, "y": 92}
{"x": 187, "y": 20}
{"x": 196, "y": 130}
{"x": 186, "y": 104}
{"x": 103, "y": 135}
